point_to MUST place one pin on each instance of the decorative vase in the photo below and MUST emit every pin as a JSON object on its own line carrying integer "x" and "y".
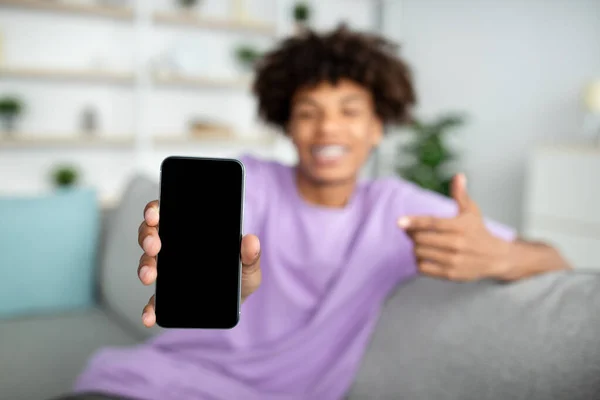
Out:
{"x": 300, "y": 28}
{"x": 188, "y": 4}
{"x": 89, "y": 121}
{"x": 8, "y": 122}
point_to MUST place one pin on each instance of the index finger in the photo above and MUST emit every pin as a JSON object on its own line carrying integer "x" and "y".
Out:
{"x": 429, "y": 223}
{"x": 151, "y": 215}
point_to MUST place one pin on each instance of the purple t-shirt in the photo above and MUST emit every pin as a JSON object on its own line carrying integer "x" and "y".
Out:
{"x": 326, "y": 273}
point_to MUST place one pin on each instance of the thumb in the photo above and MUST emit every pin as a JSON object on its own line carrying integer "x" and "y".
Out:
{"x": 460, "y": 194}
{"x": 250, "y": 257}
{"x": 250, "y": 251}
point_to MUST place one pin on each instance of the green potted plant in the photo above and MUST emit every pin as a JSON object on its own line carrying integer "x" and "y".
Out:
{"x": 247, "y": 56}
{"x": 188, "y": 3}
{"x": 302, "y": 14}
{"x": 428, "y": 154}
{"x": 10, "y": 108}
{"x": 65, "y": 176}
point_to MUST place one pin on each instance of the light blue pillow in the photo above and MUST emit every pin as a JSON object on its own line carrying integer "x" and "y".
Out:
{"x": 48, "y": 248}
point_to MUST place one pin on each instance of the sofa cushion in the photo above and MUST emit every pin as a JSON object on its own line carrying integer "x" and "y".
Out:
{"x": 41, "y": 357}
{"x": 537, "y": 339}
{"x": 121, "y": 291}
{"x": 48, "y": 247}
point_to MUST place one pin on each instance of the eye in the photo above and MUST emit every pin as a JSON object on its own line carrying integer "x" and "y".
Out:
{"x": 351, "y": 112}
{"x": 305, "y": 114}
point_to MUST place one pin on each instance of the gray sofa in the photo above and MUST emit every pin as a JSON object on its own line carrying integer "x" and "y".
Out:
{"x": 535, "y": 339}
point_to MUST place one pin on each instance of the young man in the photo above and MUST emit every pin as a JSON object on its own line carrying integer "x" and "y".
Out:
{"x": 331, "y": 247}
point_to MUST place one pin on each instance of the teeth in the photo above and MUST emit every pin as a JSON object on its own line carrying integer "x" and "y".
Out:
{"x": 330, "y": 151}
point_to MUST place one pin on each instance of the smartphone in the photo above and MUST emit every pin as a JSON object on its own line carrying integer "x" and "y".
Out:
{"x": 198, "y": 282}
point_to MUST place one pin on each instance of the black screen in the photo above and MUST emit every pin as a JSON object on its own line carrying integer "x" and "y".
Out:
{"x": 198, "y": 266}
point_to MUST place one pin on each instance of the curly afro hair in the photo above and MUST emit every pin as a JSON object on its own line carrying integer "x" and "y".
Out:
{"x": 311, "y": 58}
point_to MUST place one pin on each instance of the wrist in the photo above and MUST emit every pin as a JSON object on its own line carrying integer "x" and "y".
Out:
{"x": 506, "y": 263}
{"x": 522, "y": 259}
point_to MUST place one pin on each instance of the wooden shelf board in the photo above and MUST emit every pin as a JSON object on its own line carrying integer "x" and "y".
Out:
{"x": 116, "y": 12}
{"x": 198, "y": 21}
{"x": 66, "y": 74}
{"x": 20, "y": 140}
{"x": 575, "y": 146}
{"x": 201, "y": 82}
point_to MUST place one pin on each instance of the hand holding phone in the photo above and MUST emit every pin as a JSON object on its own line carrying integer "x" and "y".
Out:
{"x": 199, "y": 277}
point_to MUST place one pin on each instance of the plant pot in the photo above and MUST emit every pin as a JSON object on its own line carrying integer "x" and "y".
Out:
{"x": 244, "y": 71}
{"x": 300, "y": 28}
{"x": 188, "y": 4}
{"x": 8, "y": 123}
{"x": 64, "y": 188}
{"x": 246, "y": 67}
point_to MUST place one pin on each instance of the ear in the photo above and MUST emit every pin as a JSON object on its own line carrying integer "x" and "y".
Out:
{"x": 289, "y": 132}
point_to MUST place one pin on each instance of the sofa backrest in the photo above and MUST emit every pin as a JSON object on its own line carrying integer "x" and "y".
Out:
{"x": 119, "y": 287}
{"x": 536, "y": 339}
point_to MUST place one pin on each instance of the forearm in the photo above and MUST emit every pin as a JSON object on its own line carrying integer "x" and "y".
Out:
{"x": 527, "y": 258}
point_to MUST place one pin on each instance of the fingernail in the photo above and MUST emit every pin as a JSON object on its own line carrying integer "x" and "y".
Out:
{"x": 145, "y": 272}
{"x": 403, "y": 222}
{"x": 463, "y": 177}
{"x": 146, "y": 318}
{"x": 152, "y": 213}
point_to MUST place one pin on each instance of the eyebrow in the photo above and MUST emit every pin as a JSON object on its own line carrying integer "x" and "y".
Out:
{"x": 347, "y": 99}
{"x": 353, "y": 97}
{"x": 306, "y": 100}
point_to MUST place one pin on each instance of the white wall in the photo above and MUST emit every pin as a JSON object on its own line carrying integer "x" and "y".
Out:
{"x": 516, "y": 68}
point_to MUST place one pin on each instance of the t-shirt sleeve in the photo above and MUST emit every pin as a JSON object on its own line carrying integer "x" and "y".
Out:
{"x": 255, "y": 193}
{"x": 418, "y": 201}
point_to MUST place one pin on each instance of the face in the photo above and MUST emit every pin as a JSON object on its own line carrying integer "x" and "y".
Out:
{"x": 334, "y": 129}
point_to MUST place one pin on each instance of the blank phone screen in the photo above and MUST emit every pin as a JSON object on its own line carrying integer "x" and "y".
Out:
{"x": 198, "y": 265}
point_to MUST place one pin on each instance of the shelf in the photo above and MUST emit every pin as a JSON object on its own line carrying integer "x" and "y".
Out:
{"x": 574, "y": 146}
{"x": 67, "y": 74}
{"x": 20, "y": 140}
{"x": 193, "y": 20}
{"x": 201, "y": 82}
{"x": 72, "y": 7}
{"x": 209, "y": 139}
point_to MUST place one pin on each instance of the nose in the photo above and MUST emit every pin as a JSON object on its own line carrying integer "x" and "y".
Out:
{"x": 330, "y": 124}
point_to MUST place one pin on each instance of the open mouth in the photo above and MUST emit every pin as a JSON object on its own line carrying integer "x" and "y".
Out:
{"x": 329, "y": 154}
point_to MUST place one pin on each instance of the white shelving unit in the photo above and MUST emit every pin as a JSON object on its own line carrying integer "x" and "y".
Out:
{"x": 114, "y": 12}
{"x": 199, "y": 22}
{"x": 563, "y": 187}
{"x": 200, "y": 82}
{"x": 90, "y": 75}
{"x": 144, "y": 81}
{"x": 139, "y": 148}
{"x": 22, "y": 140}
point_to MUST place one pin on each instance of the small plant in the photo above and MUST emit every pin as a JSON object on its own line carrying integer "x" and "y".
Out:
{"x": 10, "y": 108}
{"x": 188, "y": 3}
{"x": 247, "y": 56}
{"x": 301, "y": 12}
{"x": 429, "y": 155}
{"x": 65, "y": 176}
